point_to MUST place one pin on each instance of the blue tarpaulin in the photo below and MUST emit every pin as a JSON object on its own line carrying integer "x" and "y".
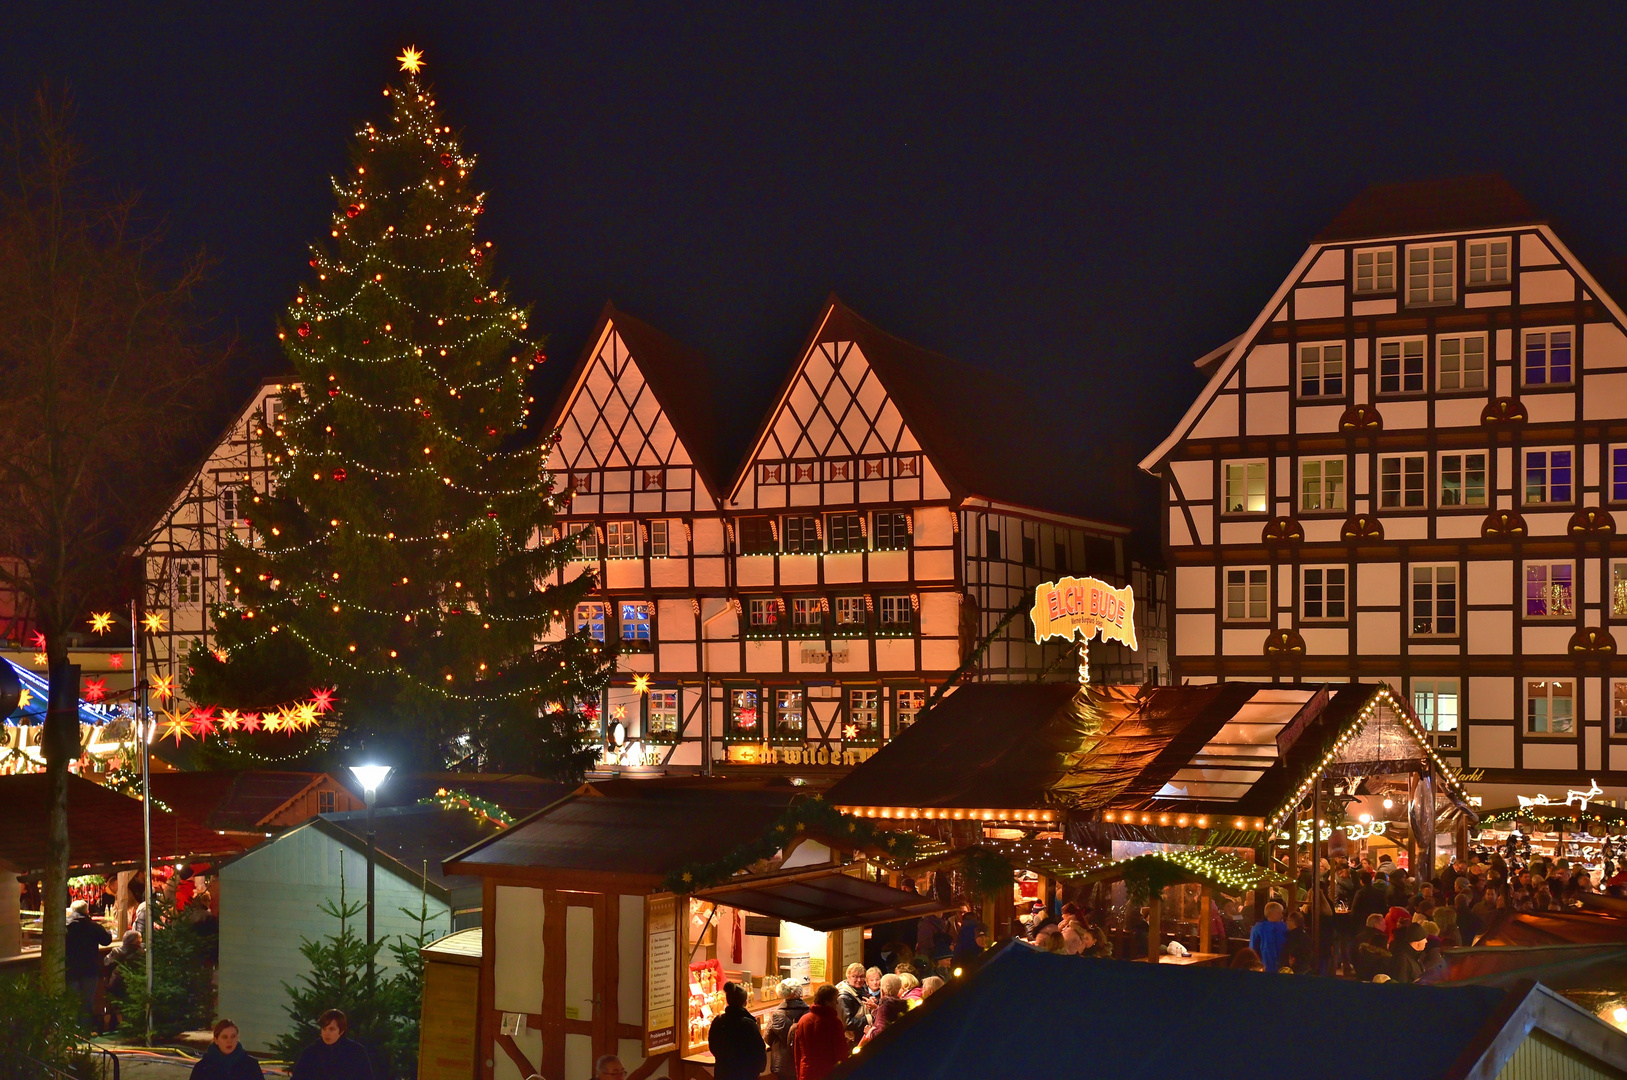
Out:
{"x": 39, "y": 692}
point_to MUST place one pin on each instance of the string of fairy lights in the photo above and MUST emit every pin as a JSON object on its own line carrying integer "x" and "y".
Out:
{"x": 455, "y": 350}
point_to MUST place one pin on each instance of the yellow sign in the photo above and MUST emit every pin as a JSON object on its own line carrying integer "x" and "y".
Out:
{"x": 1084, "y": 607}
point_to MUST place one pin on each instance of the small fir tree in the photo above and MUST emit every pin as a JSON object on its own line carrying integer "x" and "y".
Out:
{"x": 337, "y": 979}
{"x": 405, "y": 550}
{"x": 183, "y": 997}
{"x": 407, "y": 991}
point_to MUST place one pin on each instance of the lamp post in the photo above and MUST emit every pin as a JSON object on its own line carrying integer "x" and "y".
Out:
{"x": 370, "y": 777}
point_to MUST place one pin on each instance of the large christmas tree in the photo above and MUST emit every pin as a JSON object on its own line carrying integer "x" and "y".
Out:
{"x": 404, "y": 553}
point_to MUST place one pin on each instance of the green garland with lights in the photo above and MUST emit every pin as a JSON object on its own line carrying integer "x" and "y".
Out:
{"x": 484, "y": 810}
{"x": 813, "y": 815}
{"x": 1154, "y": 871}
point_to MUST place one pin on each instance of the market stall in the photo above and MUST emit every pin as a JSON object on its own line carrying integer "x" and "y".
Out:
{"x": 613, "y": 918}
{"x": 1587, "y": 834}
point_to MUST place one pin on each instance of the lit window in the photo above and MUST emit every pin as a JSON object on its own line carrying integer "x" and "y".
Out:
{"x": 1618, "y": 590}
{"x": 1549, "y": 706}
{"x": 765, "y": 614}
{"x": 1438, "y": 705}
{"x": 1547, "y": 476}
{"x": 850, "y": 611}
{"x": 789, "y": 723}
{"x": 907, "y": 705}
{"x": 1401, "y": 366}
{"x": 1618, "y": 473}
{"x": 1401, "y": 482}
{"x": 662, "y": 725}
{"x": 863, "y": 724}
{"x": 1548, "y": 590}
{"x": 1434, "y": 601}
{"x": 1247, "y": 596}
{"x": 590, "y": 618}
{"x": 892, "y": 530}
{"x": 1321, "y": 370}
{"x": 620, "y": 539}
{"x": 1375, "y": 270}
{"x": 807, "y": 613}
{"x": 1618, "y": 707}
{"x": 1322, "y": 484}
{"x": 189, "y": 581}
{"x": 658, "y": 539}
{"x": 1245, "y": 487}
{"x": 744, "y": 722}
{"x": 896, "y": 611}
{"x": 1431, "y": 276}
{"x": 228, "y": 504}
{"x": 1487, "y": 262}
{"x": 1461, "y": 362}
{"x": 801, "y": 534}
{"x": 846, "y": 532}
{"x": 1323, "y": 592}
{"x": 1547, "y": 357}
{"x": 587, "y": 542}
{"x": 635, "y": 621}
{"x": 1463, "y": 479}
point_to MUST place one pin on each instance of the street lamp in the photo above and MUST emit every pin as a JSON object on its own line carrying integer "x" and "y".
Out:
{"x": 370, "y": 777}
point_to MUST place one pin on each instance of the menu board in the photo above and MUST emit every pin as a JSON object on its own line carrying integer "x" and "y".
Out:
{"x": 852, "y": 946}
{"x": 661, "y": 974}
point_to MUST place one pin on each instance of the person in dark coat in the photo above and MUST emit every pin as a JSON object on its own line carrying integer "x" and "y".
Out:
{"x": 819, "y": 1041}
{"x": 781, "y": 1022}
{"x": 226, "y": 1059}
{"x": 335, "y": 1057}
{"x": 83, "y": 954}
{"x": 1407, "y": 949}
{"x": 735, "y": 1041}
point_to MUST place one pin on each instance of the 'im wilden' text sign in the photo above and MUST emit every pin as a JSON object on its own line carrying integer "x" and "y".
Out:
{"x": 1083, "y": 607}
{"x": 824, "y": 656}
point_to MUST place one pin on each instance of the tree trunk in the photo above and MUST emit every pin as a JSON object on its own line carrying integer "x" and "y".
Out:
{"x": 60, "y": 741}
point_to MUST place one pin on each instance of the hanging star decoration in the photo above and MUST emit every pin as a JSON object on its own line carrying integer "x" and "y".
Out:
{"x": 163, "y": 685}
{"x": 95, "y": 689}
{"x": 251, "y": 722}
{"x": 41, "y": 659}
{"x": 322, "y": 698}
{"x": 411, "y": 60}
{"x": 176, "y": 726}
{"x": 641, "y": 684}
{"x": 230, "y": 720}
{"x": 37, "y": 640}
{"x": 102, "y": 622}
{"x": 153, "y": 621}
{"x": 115, "y": 660}
{"x": 203, "y": 722}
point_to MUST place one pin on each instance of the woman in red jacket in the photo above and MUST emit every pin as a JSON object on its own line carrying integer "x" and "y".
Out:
{"x": 819, "y": 1041}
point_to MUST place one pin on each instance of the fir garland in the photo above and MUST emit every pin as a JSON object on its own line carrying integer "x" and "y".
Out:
{"x": 986, "y": 872}
{"x": 484, "y": 810}
{"x": 812, "y": 814}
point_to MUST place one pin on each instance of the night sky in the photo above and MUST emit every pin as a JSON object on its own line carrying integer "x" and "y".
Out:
{"x": 1086, "y": 200}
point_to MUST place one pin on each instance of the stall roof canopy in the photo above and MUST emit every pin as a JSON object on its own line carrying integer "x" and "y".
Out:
{"x": 234, "y": 801}
{"x": 1155, "y": 1020}
{"x": 827, "y": 901}
{"x": 104, "y": 827}
{"x": 641, "y": 828}
{"x": 1225, "y": 748}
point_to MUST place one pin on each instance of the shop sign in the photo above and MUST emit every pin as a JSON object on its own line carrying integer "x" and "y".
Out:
{"x": 661, "y": 968}
{"x": 1083, "y": 607}
{"x": 812, "y": 754}
{"x": 824, "y": 656}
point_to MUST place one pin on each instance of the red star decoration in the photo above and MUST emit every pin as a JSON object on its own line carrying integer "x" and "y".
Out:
{"x": 38, "y": 640}
{"x": 115, "y": 660}
{"x": 322, "y": 699}
{"x": 203, "y": 721}
{"x": 95, "y": 689}
{"x": 251, "y": 721}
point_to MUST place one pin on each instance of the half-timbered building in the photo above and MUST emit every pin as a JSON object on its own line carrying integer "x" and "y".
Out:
{"x": 1407, "y": 469}
{"x": 181, "y": 554}
{"x": 883, "y": 530}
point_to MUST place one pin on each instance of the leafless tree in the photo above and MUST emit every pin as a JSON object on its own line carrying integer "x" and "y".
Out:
{"x": 101, "y": 391}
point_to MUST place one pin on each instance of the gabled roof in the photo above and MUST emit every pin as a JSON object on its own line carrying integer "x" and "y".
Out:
{"x": 978, "y": 427}
{"x": 643, "y": 828}
{"x": 104, "y": 827}
{"x": 1448, "y": 204}
{"x": 415, "y": 838}
{"x": 231, "y": 801}
{"x": 1139, "y": 1021}
{"x": 684, "y": 385}
{"x": 1220, "y": 749}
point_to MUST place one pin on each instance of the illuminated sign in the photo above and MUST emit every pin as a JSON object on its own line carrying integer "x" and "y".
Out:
{"x": 1083, "y": 607}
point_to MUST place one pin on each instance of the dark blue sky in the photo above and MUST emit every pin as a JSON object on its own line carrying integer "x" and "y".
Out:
{"x": 1088, "y": 197}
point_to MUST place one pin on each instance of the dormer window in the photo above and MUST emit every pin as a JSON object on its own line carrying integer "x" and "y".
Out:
{"x": 1487, "y": 262}
{"x": 1431, "y": 274}
{"x": 1375, "y": 270}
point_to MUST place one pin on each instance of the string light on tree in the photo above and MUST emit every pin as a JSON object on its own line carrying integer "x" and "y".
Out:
{"x": 395, "y": 556}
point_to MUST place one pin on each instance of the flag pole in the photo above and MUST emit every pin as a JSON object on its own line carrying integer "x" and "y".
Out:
{"x": 145, "y": 728}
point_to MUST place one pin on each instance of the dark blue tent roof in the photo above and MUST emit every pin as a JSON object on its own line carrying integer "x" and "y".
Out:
{"x": 1027, "y": 1013}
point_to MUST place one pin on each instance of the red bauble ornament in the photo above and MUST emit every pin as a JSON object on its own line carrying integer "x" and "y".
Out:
{"x": 491, "y": 431}
{"x": 426, "y": 412}
{"x": 313, "y": 262}
{"x": 303, "y": 329}
{"x": 352, "y": 210}
{"x": 478, "y": 257}
{"x": 333, "y": 391}
{"x": 446, "y": 161}
{"x": 339, "y": 474}
{"x": 540, "y": 357}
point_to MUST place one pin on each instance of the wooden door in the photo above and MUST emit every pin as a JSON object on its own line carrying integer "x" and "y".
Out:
{"x": 577, "y": 975}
